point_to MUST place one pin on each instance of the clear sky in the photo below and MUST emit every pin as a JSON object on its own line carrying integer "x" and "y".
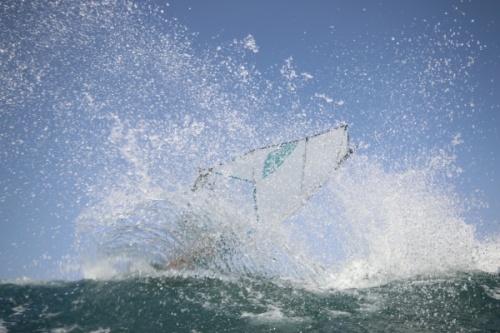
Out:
{"x": 427, "y": 72}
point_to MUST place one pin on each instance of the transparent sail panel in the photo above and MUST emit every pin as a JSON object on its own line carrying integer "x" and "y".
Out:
{"x": 286, "y": 175}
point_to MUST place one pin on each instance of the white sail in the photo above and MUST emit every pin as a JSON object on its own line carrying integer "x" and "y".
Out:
{"x": 286, "y": 175}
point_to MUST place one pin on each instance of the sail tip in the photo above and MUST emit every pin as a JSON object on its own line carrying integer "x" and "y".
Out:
{"x": 202, "y": 178}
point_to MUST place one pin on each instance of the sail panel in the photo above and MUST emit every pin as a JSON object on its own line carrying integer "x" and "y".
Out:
{"x": 323, "y": 153}
{"x": 246, "y": 167}
{"x": 285, "y": 176}
{"x": 278, "y": 192}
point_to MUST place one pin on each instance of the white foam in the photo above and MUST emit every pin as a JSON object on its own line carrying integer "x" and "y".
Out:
{"x": 272, "y": 315}
{"x": 66, "y": 329}
{"x": 378, "y": 225}
{"x": 20, "y": 281}
{"x": 374, "y": 226}
{"x": 487, "y": 255}
{"x": 101, "y": 330}
{"x": 18, "y": 310}
{"x": 3, "y": 329}
{"x": 115, "y": 267}
{"x": 336, "y": 313}
{"x": 492, "y": 292}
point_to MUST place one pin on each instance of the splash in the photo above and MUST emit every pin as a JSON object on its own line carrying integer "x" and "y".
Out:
{"x": 400, "y": 224}
{"x": 128, "y": 105}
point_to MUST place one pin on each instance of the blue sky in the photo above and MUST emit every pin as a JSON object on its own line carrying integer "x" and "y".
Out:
{"x": 400, "y": 67}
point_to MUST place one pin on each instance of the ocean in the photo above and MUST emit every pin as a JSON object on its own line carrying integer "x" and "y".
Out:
{"x": 462, "y": 302}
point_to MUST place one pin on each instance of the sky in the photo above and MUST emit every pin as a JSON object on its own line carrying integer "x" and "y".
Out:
{"x": 365, "y": 58}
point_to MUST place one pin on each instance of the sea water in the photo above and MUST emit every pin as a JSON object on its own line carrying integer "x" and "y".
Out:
{"x": 461, "y": 302}
{"x": 127, "y": 106}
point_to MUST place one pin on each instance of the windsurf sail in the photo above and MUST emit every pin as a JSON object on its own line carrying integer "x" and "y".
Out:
{"x": 286, "y": 175}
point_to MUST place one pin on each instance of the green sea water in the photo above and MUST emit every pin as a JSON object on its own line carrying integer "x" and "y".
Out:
{"x": 466, "y": 302}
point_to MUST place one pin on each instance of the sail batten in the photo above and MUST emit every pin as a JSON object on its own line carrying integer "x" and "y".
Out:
{"x": 286, "y": 175}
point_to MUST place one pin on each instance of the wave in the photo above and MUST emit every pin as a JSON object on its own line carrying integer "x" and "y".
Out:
{"x": 368, "y": 227}
{"x": 463, "y": 302}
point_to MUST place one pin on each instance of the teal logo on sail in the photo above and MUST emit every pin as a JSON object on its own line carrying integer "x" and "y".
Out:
{"x": 276, "y": 158}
